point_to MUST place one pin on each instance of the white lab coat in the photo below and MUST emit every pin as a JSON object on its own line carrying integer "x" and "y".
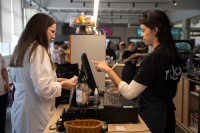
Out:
{"x": 36, "y": 89}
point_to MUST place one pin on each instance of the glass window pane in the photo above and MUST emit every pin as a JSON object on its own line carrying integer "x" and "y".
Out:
{"x": 12, "y": 21}
{"x": 14, "y": 42}
{"x": 51, "y": 44}
{"x": 5, "y": 48}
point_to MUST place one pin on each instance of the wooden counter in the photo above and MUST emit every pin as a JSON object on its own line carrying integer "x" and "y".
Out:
{"x": 136, "y": 128}
{"x": 186, "y": 100}
{"x": 195, "y": 79}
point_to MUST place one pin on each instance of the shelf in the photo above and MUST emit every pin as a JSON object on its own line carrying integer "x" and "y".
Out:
{"x": 194, "y": 93}
{"x": 77, "y": 25}
{"x": 193, "y": 129}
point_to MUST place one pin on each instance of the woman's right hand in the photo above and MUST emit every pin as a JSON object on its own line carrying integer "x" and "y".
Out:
{"x": 68, "y": 84}
{"x": 101, "y": 66}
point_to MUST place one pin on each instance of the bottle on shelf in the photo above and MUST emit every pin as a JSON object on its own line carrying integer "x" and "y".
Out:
{"x": 107, "y": 61}
{"x": 191, "y": 118}
{"x": 196, "y": 119}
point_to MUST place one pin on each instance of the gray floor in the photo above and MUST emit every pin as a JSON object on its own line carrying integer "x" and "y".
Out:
{"x": 9, "y": 125}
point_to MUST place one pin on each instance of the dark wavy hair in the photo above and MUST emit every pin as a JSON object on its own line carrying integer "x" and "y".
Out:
{"x": 160, "y": 20}
{"x": 108, "y": 46}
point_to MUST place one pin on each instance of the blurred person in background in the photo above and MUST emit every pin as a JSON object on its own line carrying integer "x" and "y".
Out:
{"x": 4, "y": 89}
{"x": 119, "y": 53}
{"x": 54, "y": 52}
{"x": 67, "y": 55}
{"x": 130, "y": 60}
{"x": 116, "y": 47}
{"x": 109, "y": 51}
{"x": 62, "y": 52}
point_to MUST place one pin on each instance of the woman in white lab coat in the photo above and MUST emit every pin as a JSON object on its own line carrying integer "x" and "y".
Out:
{"x": 33, "y": 74}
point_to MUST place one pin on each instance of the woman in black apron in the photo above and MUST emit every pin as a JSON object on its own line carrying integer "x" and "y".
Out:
{"x": 130, "y": 60}
{"x": 157, "y": 79}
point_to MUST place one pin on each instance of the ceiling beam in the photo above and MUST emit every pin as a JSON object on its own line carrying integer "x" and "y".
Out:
{"x": 151, "y": 2}
{"x": 46, "y": 11}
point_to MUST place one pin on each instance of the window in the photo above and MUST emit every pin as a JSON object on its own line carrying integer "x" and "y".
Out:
{"x": 6, "y": 48}
{"x": 24, "y": 12}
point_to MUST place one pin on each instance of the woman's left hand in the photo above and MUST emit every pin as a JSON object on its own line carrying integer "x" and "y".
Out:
{"x": 7, "y": 87}
{"x": 61, "y": 79}
{"x": 68, "y": 84}
{"x": 101, "y": 66}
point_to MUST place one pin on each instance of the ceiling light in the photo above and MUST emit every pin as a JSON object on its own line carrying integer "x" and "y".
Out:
{"x": 83, "y": 4}
{"x": 133, "y": 4}
{"x": 175, "y": 3}
{"x": 108, "y": 4}
{"x": 30, "y": 3}
{"x": 71, "y": 1}
{"x": 95, "y": 12}
{"x": 156, "y": 5}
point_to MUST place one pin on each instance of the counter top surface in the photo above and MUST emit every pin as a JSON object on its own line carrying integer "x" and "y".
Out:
{"x": 136, "y": 128}
{"x": 195, "y": 79}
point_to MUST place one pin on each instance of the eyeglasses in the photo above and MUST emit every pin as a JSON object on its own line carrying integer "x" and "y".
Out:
{"x": 52, "y": 30}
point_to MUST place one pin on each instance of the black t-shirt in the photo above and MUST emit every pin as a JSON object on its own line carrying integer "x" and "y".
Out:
{"x": 158, "y": 75}
{"x": 161, "y": 79}
{"x": 111, "y": 53}
{"x": 127, "y": 54}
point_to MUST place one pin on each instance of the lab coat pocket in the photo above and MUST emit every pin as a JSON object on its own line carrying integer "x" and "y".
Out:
{"x": 19, "y": 94}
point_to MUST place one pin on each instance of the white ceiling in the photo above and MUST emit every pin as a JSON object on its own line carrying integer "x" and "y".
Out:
{"x": 119, "y": 12}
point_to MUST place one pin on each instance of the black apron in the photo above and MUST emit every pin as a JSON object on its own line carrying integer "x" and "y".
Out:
{"x": 156, "y": 107}
{"x": 128, "y": 73}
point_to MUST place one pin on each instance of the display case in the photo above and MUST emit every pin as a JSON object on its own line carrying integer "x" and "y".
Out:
{"x": 83, "y": 23}
{"x": 185, "y": 50}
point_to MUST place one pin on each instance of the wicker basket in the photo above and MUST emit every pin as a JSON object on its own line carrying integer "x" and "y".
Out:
{"x": 83, "y": 126}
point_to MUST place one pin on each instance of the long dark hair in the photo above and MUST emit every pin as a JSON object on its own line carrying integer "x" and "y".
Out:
{"x": 108, "y": 46}
{"x": 160, "y": 20}
{"x": 36, "y": 29}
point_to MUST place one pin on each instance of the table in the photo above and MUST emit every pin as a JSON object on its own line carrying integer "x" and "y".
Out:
{"x": 133, "y": 128}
